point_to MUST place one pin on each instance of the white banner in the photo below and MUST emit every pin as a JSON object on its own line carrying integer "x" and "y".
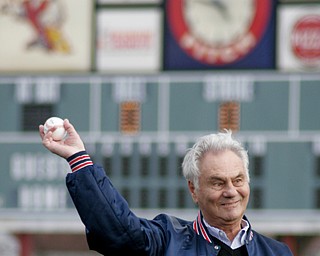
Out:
{"x": 45, "y": 35}
{"x": 129, "y": 40}
{"x": 298, "y": 44}
{"x": 129, "y": 1}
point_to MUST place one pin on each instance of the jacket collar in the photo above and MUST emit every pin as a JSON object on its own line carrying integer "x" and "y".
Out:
{"x": 201, "y": 230}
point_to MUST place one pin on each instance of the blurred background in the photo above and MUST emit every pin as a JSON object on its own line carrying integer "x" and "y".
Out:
{"x": 141, "y": 80}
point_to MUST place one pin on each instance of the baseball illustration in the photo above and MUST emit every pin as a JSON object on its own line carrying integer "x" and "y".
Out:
{"x": 59, "y": 133}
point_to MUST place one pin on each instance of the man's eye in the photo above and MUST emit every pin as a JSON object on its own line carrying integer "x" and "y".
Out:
{"x": 218, "y": 185}
{"x": 238, "y": 182}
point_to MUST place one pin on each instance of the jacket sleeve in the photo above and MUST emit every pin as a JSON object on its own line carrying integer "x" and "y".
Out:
{"x": 111, "y": 227}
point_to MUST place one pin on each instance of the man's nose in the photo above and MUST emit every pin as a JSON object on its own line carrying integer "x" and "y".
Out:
{"x": 229, "y": 190}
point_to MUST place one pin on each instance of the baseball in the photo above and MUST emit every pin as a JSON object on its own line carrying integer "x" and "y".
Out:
{"x": 59, "y": 133}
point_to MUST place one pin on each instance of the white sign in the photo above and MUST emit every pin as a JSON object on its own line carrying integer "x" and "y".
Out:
{"x": 129, "y": 40}
{"x": 298, "y": 47}
{"x": 129, "y": 1}
{"x": 45, "y": 35}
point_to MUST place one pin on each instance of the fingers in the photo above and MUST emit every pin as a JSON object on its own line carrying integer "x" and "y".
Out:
{"x": 45, "y": 135}
{"x": 69, "y": 127}
{"x": 41, "y": 131}
{"x": 47, "y": 140}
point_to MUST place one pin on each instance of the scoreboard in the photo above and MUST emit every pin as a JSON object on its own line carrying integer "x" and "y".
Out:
{"x": 138, "y": 128}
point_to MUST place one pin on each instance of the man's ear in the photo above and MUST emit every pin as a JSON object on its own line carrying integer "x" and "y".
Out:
{"x": 193, "y": 191}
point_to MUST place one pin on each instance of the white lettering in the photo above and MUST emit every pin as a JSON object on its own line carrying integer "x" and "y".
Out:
{"x": 214, "y": 55}
{"x": 228, "y": 89}
{"x": 246, "y": 43}
{"x": 307, "y": 39}
{"x": 129, "y": 89}
{"x": 229, "y": 55}
{"x": 42, "y": 197}
{"x": 37, "y": 167}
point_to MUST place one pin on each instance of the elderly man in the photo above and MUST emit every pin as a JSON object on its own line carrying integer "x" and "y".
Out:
{"x": 216, "y": 169}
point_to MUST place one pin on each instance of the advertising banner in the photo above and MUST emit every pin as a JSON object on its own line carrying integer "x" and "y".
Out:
{"x": 129, "y": 1}
{"x": 233, "y": 34}
{"x": 41, "y": 35}
{"x": 298, "y": 40}
{"x": 129, "y": 40}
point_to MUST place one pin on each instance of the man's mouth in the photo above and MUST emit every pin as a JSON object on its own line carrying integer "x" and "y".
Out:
{"x": 230, "y": 204}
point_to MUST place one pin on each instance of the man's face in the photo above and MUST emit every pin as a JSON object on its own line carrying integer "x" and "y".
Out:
{"x": 223, "y": 191}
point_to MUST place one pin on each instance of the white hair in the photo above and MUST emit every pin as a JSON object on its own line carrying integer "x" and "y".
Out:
{"x": 214, "y": 143}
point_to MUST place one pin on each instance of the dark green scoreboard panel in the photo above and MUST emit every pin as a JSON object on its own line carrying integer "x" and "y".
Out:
{"x": 138, "y": 128}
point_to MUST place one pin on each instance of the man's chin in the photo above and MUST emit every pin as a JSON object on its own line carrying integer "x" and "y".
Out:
{"x": 232, "y": 215}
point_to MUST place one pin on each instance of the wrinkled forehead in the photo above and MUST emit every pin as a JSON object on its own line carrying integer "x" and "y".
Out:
{"x": 223, "y": 163}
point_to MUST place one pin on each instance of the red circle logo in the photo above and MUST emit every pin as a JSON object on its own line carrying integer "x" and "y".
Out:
{"x": 305, "y": 39}
{"x": 214, "y": 54}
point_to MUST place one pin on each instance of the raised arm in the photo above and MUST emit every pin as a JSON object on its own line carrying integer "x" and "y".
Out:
{"x": 111, "y": 227}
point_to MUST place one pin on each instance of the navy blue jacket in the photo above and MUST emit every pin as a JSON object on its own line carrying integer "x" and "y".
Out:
{"x": 112, "y": 229}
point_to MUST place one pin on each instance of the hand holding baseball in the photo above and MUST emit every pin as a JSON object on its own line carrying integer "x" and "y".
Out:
{"x": 66, "y": 147}
{"x": 56, "y": 125}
